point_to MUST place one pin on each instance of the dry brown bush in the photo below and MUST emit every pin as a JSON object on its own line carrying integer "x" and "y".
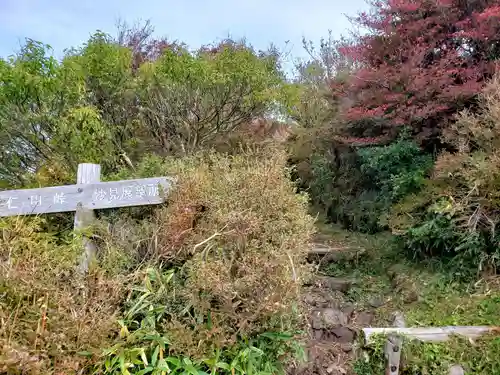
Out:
{"x": 243, "y": 233}
{"x": 471, "y": 175}
{"x": 234, "y": 229}
{"x": 457, "y": 214}
{"x": 45, "y": 318}
{"x": 258, "y": 133}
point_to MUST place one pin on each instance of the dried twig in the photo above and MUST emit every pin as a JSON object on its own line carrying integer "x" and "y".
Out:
{"x": 216, "y": 234}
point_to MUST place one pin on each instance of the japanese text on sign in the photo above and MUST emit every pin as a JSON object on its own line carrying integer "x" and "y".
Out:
{"x": 126, "y": 192}
{"x": 34, "y": 201}
{"x": 101, "y": 195}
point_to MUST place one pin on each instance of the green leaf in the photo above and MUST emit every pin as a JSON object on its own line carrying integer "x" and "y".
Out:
{"x": 162, "y": 365}
{"x": 121, "y": 360}
{"x": 209, "y": 320}
{"x": 147, "y": 370}
{"x": 277, "y": 335}
{"x": 144, "y": 358}
{"x": 222, "y": 365}
{"x": 154, "y": 357}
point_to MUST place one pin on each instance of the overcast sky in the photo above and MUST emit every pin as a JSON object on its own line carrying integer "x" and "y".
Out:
{"x": 67, "y": 23}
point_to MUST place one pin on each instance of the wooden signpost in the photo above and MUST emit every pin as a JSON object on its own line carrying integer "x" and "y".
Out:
{"x": 87, "y": 195}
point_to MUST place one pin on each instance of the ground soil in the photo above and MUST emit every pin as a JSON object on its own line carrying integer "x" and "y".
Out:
{"x": 334, "y": 322}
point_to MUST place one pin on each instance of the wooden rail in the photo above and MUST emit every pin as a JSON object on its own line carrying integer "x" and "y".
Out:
{"x": 431, "y": 334}
{"x": 395, "y": 336}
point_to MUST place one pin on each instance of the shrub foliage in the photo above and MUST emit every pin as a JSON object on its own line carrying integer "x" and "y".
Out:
{"x": 456, "y": 216}
{"x": 422, "y": 62}
{"x": 104, "y": 104}
{"x": 219, "y": 266}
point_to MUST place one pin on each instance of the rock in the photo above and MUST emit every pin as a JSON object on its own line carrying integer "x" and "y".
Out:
{"x": 317, "y": 334}
{"x": 455, "y": 370}
{"x": 335, "y": 369}
{"x": 317, "y": 299}
{"x": 398, "y": 319}
{"x": 309, "y": 299}
{"x": 334, "y": 317}
{"x": 327, "y": 318}
{"x": 335, "y": 283}
{"x": 411, "y": 296}
{"x": 343, "y": 335}
{"x": 364, "y": 318}
{"x": 346, "y": 347}
{"x": 316, "y": 320}
{"x": 348, "y": 310}
{"x": 396, "y": 270}
{"x": 376, "y": 301}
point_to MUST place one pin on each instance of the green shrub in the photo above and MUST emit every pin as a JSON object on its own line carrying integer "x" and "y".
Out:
{"x": 395, "y": 170}
{"x": 100, "y": 104}
{"x": 360, "y": 192}
{"x": 362, "y": 212}
{"x": 356, "y": 186}
{"x": 455, "y": 218}
{"x": 322, "y": 184}
{"x": 386, "y": 174}
{"x": 145, "y": 346}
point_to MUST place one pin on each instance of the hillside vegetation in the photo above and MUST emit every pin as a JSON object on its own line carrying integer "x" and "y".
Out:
{"x": 393, "y": 134}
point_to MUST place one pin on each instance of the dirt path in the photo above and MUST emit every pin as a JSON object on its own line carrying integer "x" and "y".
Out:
{"x": 338, "y": 304}
{"x": 362, "y": 280}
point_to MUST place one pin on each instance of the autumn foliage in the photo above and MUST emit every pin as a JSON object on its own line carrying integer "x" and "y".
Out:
{"x": 421, "y": 62}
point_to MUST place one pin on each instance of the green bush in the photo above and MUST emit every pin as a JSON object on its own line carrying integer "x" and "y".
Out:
{"x": 395, "y": 170}
{"x": 97, "y": 105}
{"x": 356, "y": 187}
{"x": 144, "y": 345}
{"x": 362, "y": 212}
{"x": 455, "y": 218}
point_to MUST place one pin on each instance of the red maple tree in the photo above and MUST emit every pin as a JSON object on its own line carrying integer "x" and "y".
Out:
{"x": 422, "y": 60}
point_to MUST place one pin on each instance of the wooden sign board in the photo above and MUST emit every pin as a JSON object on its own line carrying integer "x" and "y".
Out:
{"x": 95, "y": 196}
{"x": 87, "y": 195}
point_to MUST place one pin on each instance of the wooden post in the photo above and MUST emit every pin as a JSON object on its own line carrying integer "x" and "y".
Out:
{"x": 87, "y": 195}
{"x": 393, "y": 347}
{"x": 84, "y": 217}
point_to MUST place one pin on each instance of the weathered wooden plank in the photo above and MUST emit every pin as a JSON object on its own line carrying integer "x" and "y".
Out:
{"x": 393, "y": 347}
{"x": 94, "y": 196}
{"x": 431, "y": 334}
{"x": 320, "y": 250}
{"x": 84, "y": 217}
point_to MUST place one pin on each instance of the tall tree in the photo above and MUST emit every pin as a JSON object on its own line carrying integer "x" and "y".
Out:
{"x": 188, "y": 99}
{"x": 326, "y": 63}
{"x": 422, "y": 61}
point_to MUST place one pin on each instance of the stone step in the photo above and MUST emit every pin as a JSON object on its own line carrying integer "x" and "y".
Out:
{"x": 333, "y": 254}
{"x": 333, "y": 283}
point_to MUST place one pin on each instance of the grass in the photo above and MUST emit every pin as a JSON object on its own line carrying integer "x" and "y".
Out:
{"x": 144, "y": 347}
{"x": 428, "y": 295}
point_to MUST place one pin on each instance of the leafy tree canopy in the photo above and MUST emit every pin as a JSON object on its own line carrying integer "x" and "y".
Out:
{"x": 113, "y": 99}
{"x": 422, "y": 60}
